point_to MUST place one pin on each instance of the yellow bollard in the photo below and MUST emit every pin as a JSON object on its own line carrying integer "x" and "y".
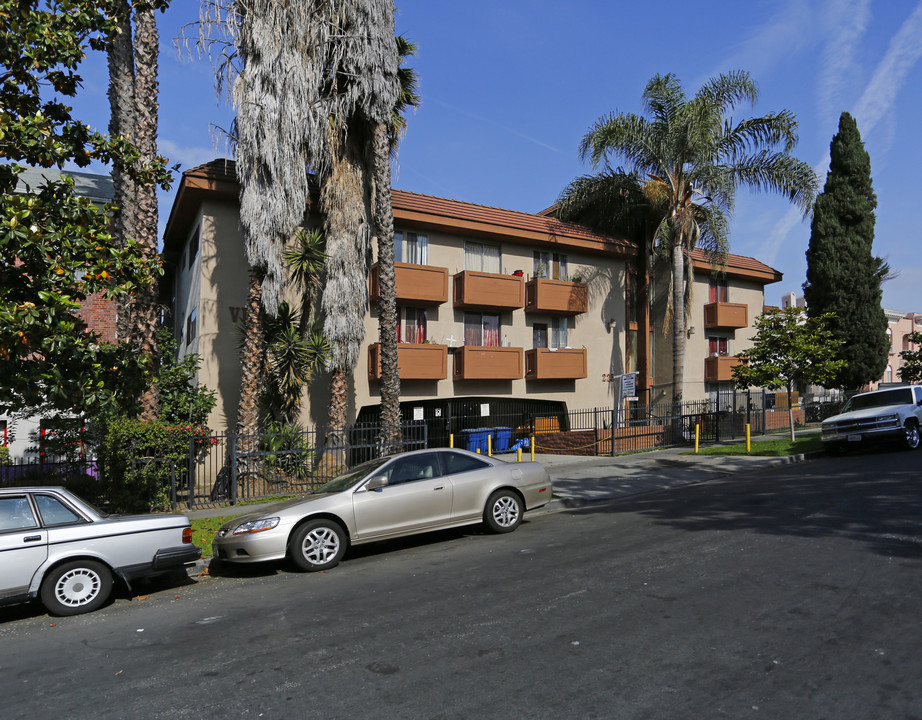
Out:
{"x": 478, "y": 451}
{"x": 696, "y": 437}
{"x": 748, "y": 444}
{"x": 451, "y": 440}
{"x": 489, "y": 445}
{"x": 532, "y": 445}
{"x": 518, "y": 454}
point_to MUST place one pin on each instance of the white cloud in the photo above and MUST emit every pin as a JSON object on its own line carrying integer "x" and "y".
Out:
{"x": 848, "y": 21}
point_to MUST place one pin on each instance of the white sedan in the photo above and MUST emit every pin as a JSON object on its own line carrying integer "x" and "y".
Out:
{"x": 55, "y": 546}
{"x": 389, "y": 497}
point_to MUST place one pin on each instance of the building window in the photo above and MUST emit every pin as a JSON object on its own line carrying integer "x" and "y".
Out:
{"x": 550, "y": 265}
{"x": 630, "y": 351}
{"x": 718, "y": 346}
{"x": 719, "y": 291}
{"x": 481, "y": 329}
{"x": 481, "y": 257}
{"x": 410, "y": 247}
{"x": 539, "y": 335}
{"x": 411, "y": 327}
{"x": 558, "y": 332}
{"x": 191, "y": 326}
{"x": 888, "y": 374}
{"x": 193, "y": 247}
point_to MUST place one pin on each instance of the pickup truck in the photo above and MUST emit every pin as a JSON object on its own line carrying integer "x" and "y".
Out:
{"x": 894, "y": 414}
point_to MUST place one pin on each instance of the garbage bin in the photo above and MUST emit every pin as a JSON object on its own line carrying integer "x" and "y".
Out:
{"x": 475, "y": 439}
{"x": 502, "y": 437}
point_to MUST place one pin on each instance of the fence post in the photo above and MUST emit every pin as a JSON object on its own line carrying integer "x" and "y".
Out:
{"x": 613, "y": 453}
{"x": 764, "y": 426}
{"x": 173, "y": 484}
{"x": 232, "y": 440}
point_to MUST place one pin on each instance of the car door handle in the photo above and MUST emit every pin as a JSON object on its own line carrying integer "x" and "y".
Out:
{"x": 440, "y": 487}
{"x": 32, "y": 538}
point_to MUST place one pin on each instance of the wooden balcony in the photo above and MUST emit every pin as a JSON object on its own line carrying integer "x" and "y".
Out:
{"x": 556, "y": 297}
{"x": 719, "y": 368}
{"x": 560, "y": 364}
{"x": 726, "y": 315}
{"x": 488, "y": 291}
{"x": 487, "y": 363}
{"x": 416, "y": 284}
{"x": 422, "y": 361}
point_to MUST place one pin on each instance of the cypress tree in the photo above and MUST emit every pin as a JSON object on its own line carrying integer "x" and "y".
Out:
{"x": 843, "y": 275}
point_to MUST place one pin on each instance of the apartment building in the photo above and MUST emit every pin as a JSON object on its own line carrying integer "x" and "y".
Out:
{"x": 899, "y": 327}
{"x": 492, "y": 303}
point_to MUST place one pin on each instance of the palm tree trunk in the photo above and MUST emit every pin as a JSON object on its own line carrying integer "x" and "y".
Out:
{"x": 387, "y": 303}
{"x": 122, "y": 123}
{"x": 678, "y": 320}
{"x": 251, "y": 360}
{"x": 147, "y": 317}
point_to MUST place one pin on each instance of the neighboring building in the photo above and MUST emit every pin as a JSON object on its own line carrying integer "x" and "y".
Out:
{"x": 24, "y": 436}
{"x": 899, "y": 326}
{"x": 793, "y": 300}
{"x": 492, "y": 303}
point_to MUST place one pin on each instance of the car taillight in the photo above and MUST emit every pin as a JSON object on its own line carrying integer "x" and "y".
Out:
{"x": 186, "y": 536}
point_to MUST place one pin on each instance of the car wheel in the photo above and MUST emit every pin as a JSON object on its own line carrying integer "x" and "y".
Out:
{"x": 503, "y": 512}
{"x": 912, "y": 434}
{"x": 835, "y": 450}
{"x": 76, "y": 587}
{"x": 317, "y": 545}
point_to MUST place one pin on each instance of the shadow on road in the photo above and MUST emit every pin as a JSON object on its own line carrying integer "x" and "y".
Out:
{"x": 874, "y": 498}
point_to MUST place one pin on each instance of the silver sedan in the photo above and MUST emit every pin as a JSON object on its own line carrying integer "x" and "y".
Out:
{"x": 405, "y": 494}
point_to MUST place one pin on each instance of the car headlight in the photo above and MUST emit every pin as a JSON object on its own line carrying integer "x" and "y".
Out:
{"x": 255, "y": 526}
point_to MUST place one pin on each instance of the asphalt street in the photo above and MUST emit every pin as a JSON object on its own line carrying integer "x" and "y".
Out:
{"x": 788, "y": 592}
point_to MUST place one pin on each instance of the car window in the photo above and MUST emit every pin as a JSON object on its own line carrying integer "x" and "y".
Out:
{"x": 414, "y": 467}
{"x": 897, "y": 396}
{"x": 16, "y": 514}
{"x": 54, "y": 512}
{"x": 458, "y": 463}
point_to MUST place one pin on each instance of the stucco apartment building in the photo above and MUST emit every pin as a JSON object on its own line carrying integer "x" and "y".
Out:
{"x": 492, "y": 303}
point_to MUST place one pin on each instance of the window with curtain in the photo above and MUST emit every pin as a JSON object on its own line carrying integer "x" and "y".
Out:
{"x": 550, "y": 265}
{"x": 718, "y": 346}
{"x": 410, "y": 247}
{"x": 559, "y": 332}
{"x": 539, "y": 335}
{"x": 412, "y": 325}
{"x": 719, "y": 291}
{"x": 481, "y": 330}
{"x": 630, "y": 351}
{"x": 481, "y": 257}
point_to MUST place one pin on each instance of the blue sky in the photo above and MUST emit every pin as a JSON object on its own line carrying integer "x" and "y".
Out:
{"x": 510, "y": 87}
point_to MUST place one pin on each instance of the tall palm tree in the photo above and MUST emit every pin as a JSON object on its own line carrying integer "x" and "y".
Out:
{"x": 133, "y": 97}
{"x": 384, "y": 148}
{"x": 687, "y": 158}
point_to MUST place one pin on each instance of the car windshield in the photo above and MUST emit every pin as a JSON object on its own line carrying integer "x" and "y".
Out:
{"x": 351, "y": 477}
{"x": 897, "y": 396}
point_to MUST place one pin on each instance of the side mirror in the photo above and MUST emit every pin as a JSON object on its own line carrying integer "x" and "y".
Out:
{"x": 378, "y": 481}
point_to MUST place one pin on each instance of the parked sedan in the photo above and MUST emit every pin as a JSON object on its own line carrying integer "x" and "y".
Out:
{"x": 55, "y": 546}
{"x": 405, "y": 494}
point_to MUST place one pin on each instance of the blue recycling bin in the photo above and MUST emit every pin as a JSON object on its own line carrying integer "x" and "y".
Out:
{"x": 502, "y": 437}
{"x": 475, "y": 439}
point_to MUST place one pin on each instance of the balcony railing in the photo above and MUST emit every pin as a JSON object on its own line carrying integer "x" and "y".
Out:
{"x": 726, "y": 315}
{"x": 556, "y": 297}
{"x": 560, "y": 364}
{"x": 487, "y": 363}
{"x": 415, "y": 361}
{"x": 416, "y": 284}
{"x": 488, "y": 291}
{"x": 719, "y": 368}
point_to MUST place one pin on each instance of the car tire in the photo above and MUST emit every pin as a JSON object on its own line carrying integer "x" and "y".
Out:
{"x": 835, "y": 450}
{"x": 76, "y": 587}
{"x": 912, "y": 435}
{"x": 317, "y": 545}
{"x": 503, "y": 512}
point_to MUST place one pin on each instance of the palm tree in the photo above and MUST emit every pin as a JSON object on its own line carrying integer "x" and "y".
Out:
{"x": 686, "y": 161}
{"x": 133, "y": 92}
{"x": 386, "y": 137}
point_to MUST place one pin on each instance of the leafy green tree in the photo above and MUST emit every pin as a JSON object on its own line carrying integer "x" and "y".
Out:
{"x": 843, "y": 276}
{"x": 789, "y": 349}
{"x": 56, "y": 248}
{"x": 687, "y": 160}
{"x": 911, "y": 369}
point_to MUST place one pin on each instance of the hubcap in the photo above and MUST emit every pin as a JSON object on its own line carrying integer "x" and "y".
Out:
{"x": 77, "y": 587}
{"x": 912, "y": 435}
{"x": 505, "y": 511}
{"x": 320, "y": 545}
